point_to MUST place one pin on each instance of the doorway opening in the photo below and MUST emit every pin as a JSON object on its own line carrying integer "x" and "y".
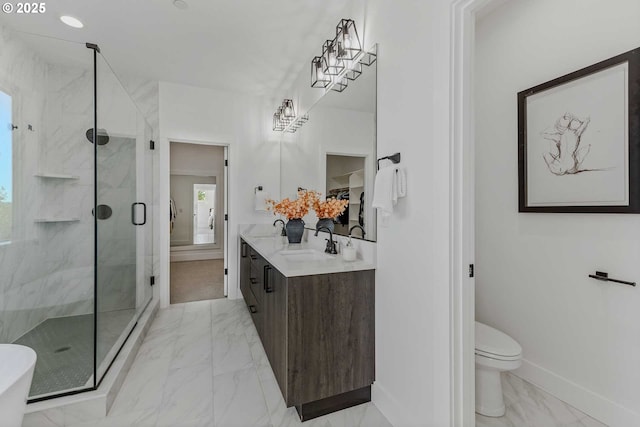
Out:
{"x": 198, "y": 255}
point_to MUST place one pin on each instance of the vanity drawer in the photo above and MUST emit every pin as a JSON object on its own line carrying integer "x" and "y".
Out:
{"x": 256, "y": 312}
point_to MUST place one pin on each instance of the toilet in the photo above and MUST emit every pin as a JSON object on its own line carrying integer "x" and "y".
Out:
{"x": 495, "y": 352}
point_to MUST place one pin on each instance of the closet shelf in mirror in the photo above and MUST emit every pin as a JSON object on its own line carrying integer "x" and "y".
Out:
{"x": 55, "y": 175}
{"x": 51, "y": 220}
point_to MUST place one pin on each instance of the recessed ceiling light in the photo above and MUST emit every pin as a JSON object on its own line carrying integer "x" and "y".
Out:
{"x": 71, "y": 21}
{"x": 180, "y": 4}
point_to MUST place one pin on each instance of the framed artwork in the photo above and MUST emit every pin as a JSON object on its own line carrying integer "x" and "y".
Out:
{"x": 579, "y": 140}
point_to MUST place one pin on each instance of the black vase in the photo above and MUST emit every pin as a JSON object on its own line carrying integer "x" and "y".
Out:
{"x": 295, "y": 230}
{"x": 325, "y": 222}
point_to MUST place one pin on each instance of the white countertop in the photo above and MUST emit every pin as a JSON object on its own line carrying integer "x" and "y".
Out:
{"x": 269, "y": 248}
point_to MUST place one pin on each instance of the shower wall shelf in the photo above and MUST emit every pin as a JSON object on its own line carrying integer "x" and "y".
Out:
{"x": 49, "y": 220}
{"x": 56, "y": 175}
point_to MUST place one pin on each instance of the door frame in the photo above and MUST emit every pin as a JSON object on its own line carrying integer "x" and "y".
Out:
{"x": 165, "y": 237}
{"x": 462, "y": 199}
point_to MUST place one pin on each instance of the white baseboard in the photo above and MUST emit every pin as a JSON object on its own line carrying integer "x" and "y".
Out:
{"x": 592, "y": 404}
{"x": 197, "y": 255}
{"x": 390, "y": 407}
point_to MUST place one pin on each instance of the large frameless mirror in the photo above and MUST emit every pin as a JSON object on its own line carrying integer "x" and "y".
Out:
{"x": 334, "y": 153}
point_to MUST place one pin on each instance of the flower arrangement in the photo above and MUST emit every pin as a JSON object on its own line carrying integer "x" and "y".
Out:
{"x": 293, "y": 209}
{"x": 330, "y": 208}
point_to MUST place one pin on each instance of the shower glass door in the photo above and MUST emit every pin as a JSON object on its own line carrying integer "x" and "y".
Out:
{"x": 123, "y": 216}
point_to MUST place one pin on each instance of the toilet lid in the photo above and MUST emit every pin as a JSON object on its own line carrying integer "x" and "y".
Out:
{"x": 492, "y": 341}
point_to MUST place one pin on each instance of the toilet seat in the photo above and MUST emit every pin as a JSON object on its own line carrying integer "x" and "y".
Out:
{"x": 495, "y": 344}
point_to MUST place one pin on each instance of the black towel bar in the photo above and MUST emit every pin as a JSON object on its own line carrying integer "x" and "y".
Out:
{"x": 601, "y": 275}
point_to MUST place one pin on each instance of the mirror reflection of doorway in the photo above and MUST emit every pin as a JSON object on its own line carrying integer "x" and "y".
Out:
{"x": 345, "y": 180}
{"x": 197, "y": 226}
{"x": 204, "y": 219}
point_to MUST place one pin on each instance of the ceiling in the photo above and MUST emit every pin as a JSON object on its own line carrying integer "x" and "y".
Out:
{"x": 250, "y": 46}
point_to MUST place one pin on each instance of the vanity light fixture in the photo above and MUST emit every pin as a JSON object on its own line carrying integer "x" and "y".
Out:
{"x": 285, "y": 118}
{"x": 342, "y": 59}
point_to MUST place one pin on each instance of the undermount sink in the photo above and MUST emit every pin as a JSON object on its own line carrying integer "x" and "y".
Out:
{"x": 302, "y": 255}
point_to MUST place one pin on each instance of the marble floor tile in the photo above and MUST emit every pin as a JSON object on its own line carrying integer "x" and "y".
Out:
{"x": 202, "y": 365}
{"x": 231, "y": 353}
{"x": 133, "y": 419}
{"x": 143, "y": 387}
{"x": 192, "y": 349}
{"x": 238, "y": 400}
{"x": 366, "y": 415}
{"x": 530, "y": 406}
{"x": 188, "y": 396}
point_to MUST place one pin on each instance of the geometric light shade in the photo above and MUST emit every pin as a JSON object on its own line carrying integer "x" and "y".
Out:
{"x": 288, "y": 112}
{"x": 318, "y": 77}
{"x": 347, "y": 40}
{"x": 278, "y": 124}
{"x": 332, "y": 64}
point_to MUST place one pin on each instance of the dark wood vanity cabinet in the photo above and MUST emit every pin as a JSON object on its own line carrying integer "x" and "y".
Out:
{"x": 317, "y": 331}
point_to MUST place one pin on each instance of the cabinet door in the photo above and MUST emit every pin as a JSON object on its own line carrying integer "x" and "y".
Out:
{"x": 258, "y": 265}
{"x": 245, "y": 270}
{"x": 275, "y": 324}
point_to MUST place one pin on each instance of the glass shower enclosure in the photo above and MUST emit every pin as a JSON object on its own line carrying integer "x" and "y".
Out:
{"x": 76, "y": 190}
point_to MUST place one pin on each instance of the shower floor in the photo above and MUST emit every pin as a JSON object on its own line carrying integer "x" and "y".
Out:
{"x": 64, "y": 346}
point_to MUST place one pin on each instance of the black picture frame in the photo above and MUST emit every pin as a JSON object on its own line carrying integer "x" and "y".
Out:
{"x": 632, "y": 58}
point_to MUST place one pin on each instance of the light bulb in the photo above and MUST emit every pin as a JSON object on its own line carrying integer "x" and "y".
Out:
{"x": 347, "y": 41}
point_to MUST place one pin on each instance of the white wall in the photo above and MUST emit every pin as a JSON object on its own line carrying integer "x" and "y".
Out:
{"x": 580, "y": 337}
{"x": 194, "y": 114}
{"x": 412, "y": 281}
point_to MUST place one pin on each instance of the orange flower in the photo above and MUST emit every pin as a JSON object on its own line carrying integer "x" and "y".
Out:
{"x": 293, "y": 208}
{"x": 330, "y": 208}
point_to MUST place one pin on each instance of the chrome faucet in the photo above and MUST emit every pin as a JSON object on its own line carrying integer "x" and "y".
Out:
{"x": 331, "y": 245}
{"x": 360, "y": 227}
{"x": 284, "y": 231}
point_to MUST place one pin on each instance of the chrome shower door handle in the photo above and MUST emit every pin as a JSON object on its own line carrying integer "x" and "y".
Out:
{"x": 133, "y": 213}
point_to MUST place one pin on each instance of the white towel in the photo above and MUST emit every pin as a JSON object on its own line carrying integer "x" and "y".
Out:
{"x": 401, "y": 182}
{"x": 390, "y": 184}
{"x": 260, "y": 200}
{"x": 385, "y": 191}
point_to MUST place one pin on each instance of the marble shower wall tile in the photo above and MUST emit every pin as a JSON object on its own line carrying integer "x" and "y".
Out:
{"x": 47, "y": 270}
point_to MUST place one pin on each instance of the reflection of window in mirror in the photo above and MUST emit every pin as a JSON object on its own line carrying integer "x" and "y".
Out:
{"x": 204, "y": 214}
{"x": 6, "y": 167}
{"x": 345, "y": 180}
